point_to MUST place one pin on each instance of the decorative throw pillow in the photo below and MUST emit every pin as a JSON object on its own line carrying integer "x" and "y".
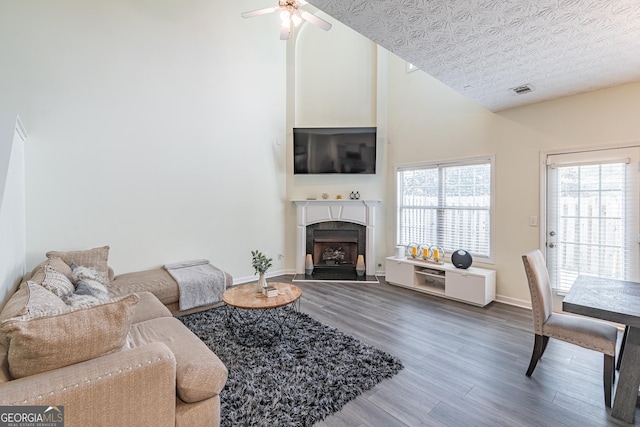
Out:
{"x": 88, "y": 288}
{"x": 57, "y": 282}
{"x": 96, "y": 258}
{"x": 54, "y": 262}
{"x": 38, "y": 276}
{"x": 45, "y": 342}
{"x": 75, "y": 300}
{"x": 30, "y": 299}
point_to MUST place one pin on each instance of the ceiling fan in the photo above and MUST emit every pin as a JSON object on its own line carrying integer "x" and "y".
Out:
{"x": 291, "y": 16}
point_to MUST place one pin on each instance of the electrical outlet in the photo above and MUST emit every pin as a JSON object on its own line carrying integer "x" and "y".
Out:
{"x": 533, "y": 221}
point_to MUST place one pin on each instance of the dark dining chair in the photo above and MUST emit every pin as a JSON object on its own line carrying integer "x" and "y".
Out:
{"x": 587, "y": 333}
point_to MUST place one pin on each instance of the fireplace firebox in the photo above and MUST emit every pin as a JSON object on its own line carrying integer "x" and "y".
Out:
{"x": 336, "y": 244}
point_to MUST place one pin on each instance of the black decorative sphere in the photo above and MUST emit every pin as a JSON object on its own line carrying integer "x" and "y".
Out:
{"x": 461, "y": 259}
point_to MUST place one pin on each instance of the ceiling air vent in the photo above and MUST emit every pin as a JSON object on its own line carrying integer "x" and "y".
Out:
{"x": 521, "y": 90}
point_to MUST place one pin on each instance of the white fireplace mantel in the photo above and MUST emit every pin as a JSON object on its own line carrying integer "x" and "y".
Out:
{"x": 361, "y": 212}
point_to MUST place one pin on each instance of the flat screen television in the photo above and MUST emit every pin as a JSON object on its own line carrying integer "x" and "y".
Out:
{"x": 349, "y": 150}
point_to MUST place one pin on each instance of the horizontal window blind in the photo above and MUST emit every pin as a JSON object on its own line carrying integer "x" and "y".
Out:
{"x": 590, "y": 209}
{"x": 448, "y": 205}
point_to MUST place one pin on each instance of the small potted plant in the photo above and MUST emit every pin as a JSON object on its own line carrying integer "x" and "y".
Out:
{"x": 260, "y": 264}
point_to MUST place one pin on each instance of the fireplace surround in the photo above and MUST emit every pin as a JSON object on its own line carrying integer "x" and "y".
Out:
{"x": 331, "y": 218}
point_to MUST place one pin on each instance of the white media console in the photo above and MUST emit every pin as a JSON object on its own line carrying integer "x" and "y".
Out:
{"x": 475, "y": 286}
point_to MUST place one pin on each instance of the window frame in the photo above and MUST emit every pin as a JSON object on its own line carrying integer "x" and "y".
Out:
{"x": 467, "y": 161}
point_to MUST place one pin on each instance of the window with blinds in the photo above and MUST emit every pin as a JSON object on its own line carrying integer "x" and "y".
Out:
{"x": 448, "y": 205}
{"x": 592, "y": 220}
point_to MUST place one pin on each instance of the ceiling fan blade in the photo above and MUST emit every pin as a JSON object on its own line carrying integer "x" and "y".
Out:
{"x": 318, "y": 22}
{"x": 259, "y": 12}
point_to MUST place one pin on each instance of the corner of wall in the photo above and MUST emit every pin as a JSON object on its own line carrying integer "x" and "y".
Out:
{"x": 12, "y": 205}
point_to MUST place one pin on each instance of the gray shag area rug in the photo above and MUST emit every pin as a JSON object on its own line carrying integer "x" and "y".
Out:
{"x": 298, "y": 379}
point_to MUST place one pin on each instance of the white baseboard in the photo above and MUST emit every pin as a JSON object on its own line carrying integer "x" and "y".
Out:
{"x": 248, "y": 279}
{"x": 513, "y": 301}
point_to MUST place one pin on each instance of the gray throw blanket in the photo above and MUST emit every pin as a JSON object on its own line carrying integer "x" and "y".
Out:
{"x": 200, "y": 283}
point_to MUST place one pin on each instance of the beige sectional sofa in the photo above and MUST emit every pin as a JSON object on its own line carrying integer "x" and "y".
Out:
{"x": 125, "y": 360}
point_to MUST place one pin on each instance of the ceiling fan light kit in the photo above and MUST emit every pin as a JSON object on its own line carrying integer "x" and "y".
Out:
{"x": 290, "y": 16}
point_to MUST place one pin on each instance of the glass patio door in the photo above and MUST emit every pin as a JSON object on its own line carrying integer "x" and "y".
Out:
{"x": 592, "y": 215}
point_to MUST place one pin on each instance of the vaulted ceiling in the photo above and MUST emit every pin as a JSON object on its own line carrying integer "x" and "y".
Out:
{"x": 485, "y": 48}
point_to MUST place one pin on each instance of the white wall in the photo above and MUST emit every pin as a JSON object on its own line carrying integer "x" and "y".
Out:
{"x": 157, "y": 128}
{"x": 596, "y": 119}
{"x": 12, "y": 205}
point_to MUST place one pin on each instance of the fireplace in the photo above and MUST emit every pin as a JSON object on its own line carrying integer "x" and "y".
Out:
{"x": 335, "y": 244}
{"x": 335, "y": 232}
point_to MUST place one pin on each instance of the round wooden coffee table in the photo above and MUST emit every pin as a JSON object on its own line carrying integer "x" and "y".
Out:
{"x": 246, "y": 296}
{"x": 255, "y": 319}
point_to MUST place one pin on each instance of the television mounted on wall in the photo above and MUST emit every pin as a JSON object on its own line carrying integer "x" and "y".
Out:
{"x": 347, "y": 150}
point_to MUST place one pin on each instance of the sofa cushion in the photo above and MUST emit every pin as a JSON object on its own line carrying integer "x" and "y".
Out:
{"x": 159, "y": 282}
{"x": 96, "y": 258}
{"x": 5, "y": 376}
{"x": 200, "y": 374}
{"x": 149, "y": 307}
{"x": 41, "y": 343}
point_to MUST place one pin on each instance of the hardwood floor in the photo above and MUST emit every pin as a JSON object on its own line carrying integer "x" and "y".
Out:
{"x": 463, "y": 365}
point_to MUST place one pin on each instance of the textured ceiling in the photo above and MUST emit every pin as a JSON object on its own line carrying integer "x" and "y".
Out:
{"x": 483, "y": 48}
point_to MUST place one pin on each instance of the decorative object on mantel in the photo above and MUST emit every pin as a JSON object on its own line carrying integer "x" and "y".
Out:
{"x": 308, "y": 265}
{"x": 412, "y": 250}
{"x": 260, "y": 264}
{"x": 355, "y": 195}
{"x": 339, "y": 196}
{"x": 325, "y": 196}
{"x": 360, "y": 268}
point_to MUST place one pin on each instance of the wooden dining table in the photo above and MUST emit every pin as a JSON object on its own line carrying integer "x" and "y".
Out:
{"x": 616, "y": 301}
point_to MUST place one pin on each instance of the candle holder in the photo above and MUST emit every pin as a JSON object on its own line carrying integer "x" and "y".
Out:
{"x": 424, "y": 251}
{"x": 360, "y": 267}
{"x": 437, "y": 253}
{"x": 412, "y": 250}
{"x": 308, "y": 265}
